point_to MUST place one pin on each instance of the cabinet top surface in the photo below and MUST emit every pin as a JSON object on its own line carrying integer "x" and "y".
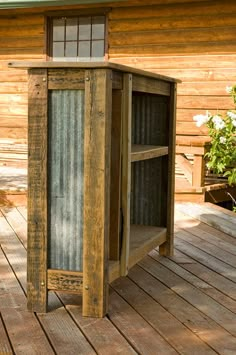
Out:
{"x": 90, "y": 65}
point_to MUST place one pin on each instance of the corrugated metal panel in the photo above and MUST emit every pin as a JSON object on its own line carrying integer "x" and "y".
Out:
{"x": 148, "y": 192}
{"x": 66, "y": 161}
{"x": 149, "y": 119}
{"x": 14, "y": 4}
{"x": 148, "y": 183}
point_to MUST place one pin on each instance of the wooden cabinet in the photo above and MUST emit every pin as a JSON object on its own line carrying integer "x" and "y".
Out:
{"x": 101, "y": 176}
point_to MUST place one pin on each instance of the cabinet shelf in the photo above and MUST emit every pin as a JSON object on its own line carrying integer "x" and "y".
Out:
{"x": 144, "y": 152}
{"x": 143, "y": 239}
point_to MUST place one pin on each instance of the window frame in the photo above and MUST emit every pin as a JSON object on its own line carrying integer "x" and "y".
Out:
{"x": 76, "y": 14}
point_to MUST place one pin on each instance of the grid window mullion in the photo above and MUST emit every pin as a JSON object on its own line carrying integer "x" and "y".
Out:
{"x": 78, "y": 45}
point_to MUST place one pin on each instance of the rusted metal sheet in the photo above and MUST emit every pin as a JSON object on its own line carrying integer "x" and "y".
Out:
{"x": 66, "y": 165}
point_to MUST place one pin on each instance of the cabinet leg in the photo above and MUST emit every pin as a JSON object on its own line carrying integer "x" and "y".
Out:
{"x": 166, "y": 249}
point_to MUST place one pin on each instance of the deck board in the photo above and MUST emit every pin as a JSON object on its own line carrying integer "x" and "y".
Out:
{"x": 183, "y": 304}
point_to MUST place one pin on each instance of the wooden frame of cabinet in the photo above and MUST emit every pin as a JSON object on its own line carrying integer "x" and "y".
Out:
{"x": 115, "y": 99}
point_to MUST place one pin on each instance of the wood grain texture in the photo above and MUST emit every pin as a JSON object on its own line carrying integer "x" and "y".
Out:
{"x": 143, "y": 152}
{"x": 131, "y": 322}
{"x": 101, "y": 333}
{"x": 37, "y": 191}
{"x": 168, "y": 247}
{"x": 65, "y": 79}
{"x": 191, "y": 317}
{"x": 115, "y": 194}
{"x": 96, "y": 191}
{"x": 5, "y": 347}
{"x": 67, "y": 281}
{"x": 159, "y": 318}
{"x": 182, "y": 304}
{"x": 171, "y": 37}
{"x": 198, "y": 171}
{"x": 126, "y": 171}
{"x": 143, "y": 84}
{"x": 19, "y": 323}
{"x": 185, "y": 166}
{"x": 143, "y": 239}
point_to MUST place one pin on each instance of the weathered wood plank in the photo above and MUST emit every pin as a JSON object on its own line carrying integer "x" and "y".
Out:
{"x": 143, "y": 239}
{"x": 115, "y": 195}
{"x": 22, "y": 31}
{"x": 17, "y": 222}
{"x": 65, "y": 336}
{"x": 23, "y": 211}
{"x": 67, "y": 281}
{"x": 180, "y": 264}
{"x": 37, "y": 193}
{"x": 198, "y": 299}
{"x": 190, "y": 128}
{"x": 5, "y": 346}
{"x": 173, "y": 49}
{"x": 126, "y": 171}
{"x": 19, "y": 323}
{"x": 66, "y": 79}
{"x": 203, "y": 102}
{"x": 130, "y": 322}
{"x": 174, "y": 36}
{"x": 198, "y": 8}
{"x": 187, "y": 314}
{"x": 210, "y": 261}
{"x": 199, "y": 60}
{"x": 150, "y": 86}
{"x": 26, "y": 42}
{"x": 96, "y": 191}
{"x": 215, "y": 218}
{"x": 167, "y": 248}
{"x": 209, "y": 248}
{"x": 162, "y": 321}
{"x": 143, "y": 152}
{"x": 101, "y": 333}
{"x": 14, "y": 110}
{"x": 60, "y": 328}
{"x": 21, "y": 20}
{"x": 212, "y": 278}
{"x": 157, "y": 23}
{"x": 204, "y": 231}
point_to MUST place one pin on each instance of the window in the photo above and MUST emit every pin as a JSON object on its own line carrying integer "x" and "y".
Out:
{"x": 77, "y": 38}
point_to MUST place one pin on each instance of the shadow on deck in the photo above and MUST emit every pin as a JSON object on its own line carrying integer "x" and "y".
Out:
{"x": 180, "y": 305}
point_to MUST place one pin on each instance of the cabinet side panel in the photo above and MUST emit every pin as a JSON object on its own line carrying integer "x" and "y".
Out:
{"x": 66, "y": 169}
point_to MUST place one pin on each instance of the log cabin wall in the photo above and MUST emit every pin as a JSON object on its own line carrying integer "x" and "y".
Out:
{"x": 190, "y": 40}
{"x": 22, "y": 38}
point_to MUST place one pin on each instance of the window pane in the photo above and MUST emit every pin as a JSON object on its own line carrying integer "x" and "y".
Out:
{"x": 71, "y": 49}
{"x": 97, "y": 48}
{"x": 84, "y": 49}
{"x": 71, "y": 29}
{"x": 58, "y": 29}
{"x": 58, "y": 49}
{"x": 84, "y": 28}
{"x": 98, "y": 27}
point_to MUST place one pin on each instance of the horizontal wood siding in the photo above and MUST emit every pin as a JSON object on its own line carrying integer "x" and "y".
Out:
{"x": 194, "y": 42}
{"x": 22, "y": 38}
{"x": 187, "y": 39}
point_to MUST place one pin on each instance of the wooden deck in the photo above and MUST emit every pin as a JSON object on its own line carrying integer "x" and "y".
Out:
{"x": 180, "y": 305}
